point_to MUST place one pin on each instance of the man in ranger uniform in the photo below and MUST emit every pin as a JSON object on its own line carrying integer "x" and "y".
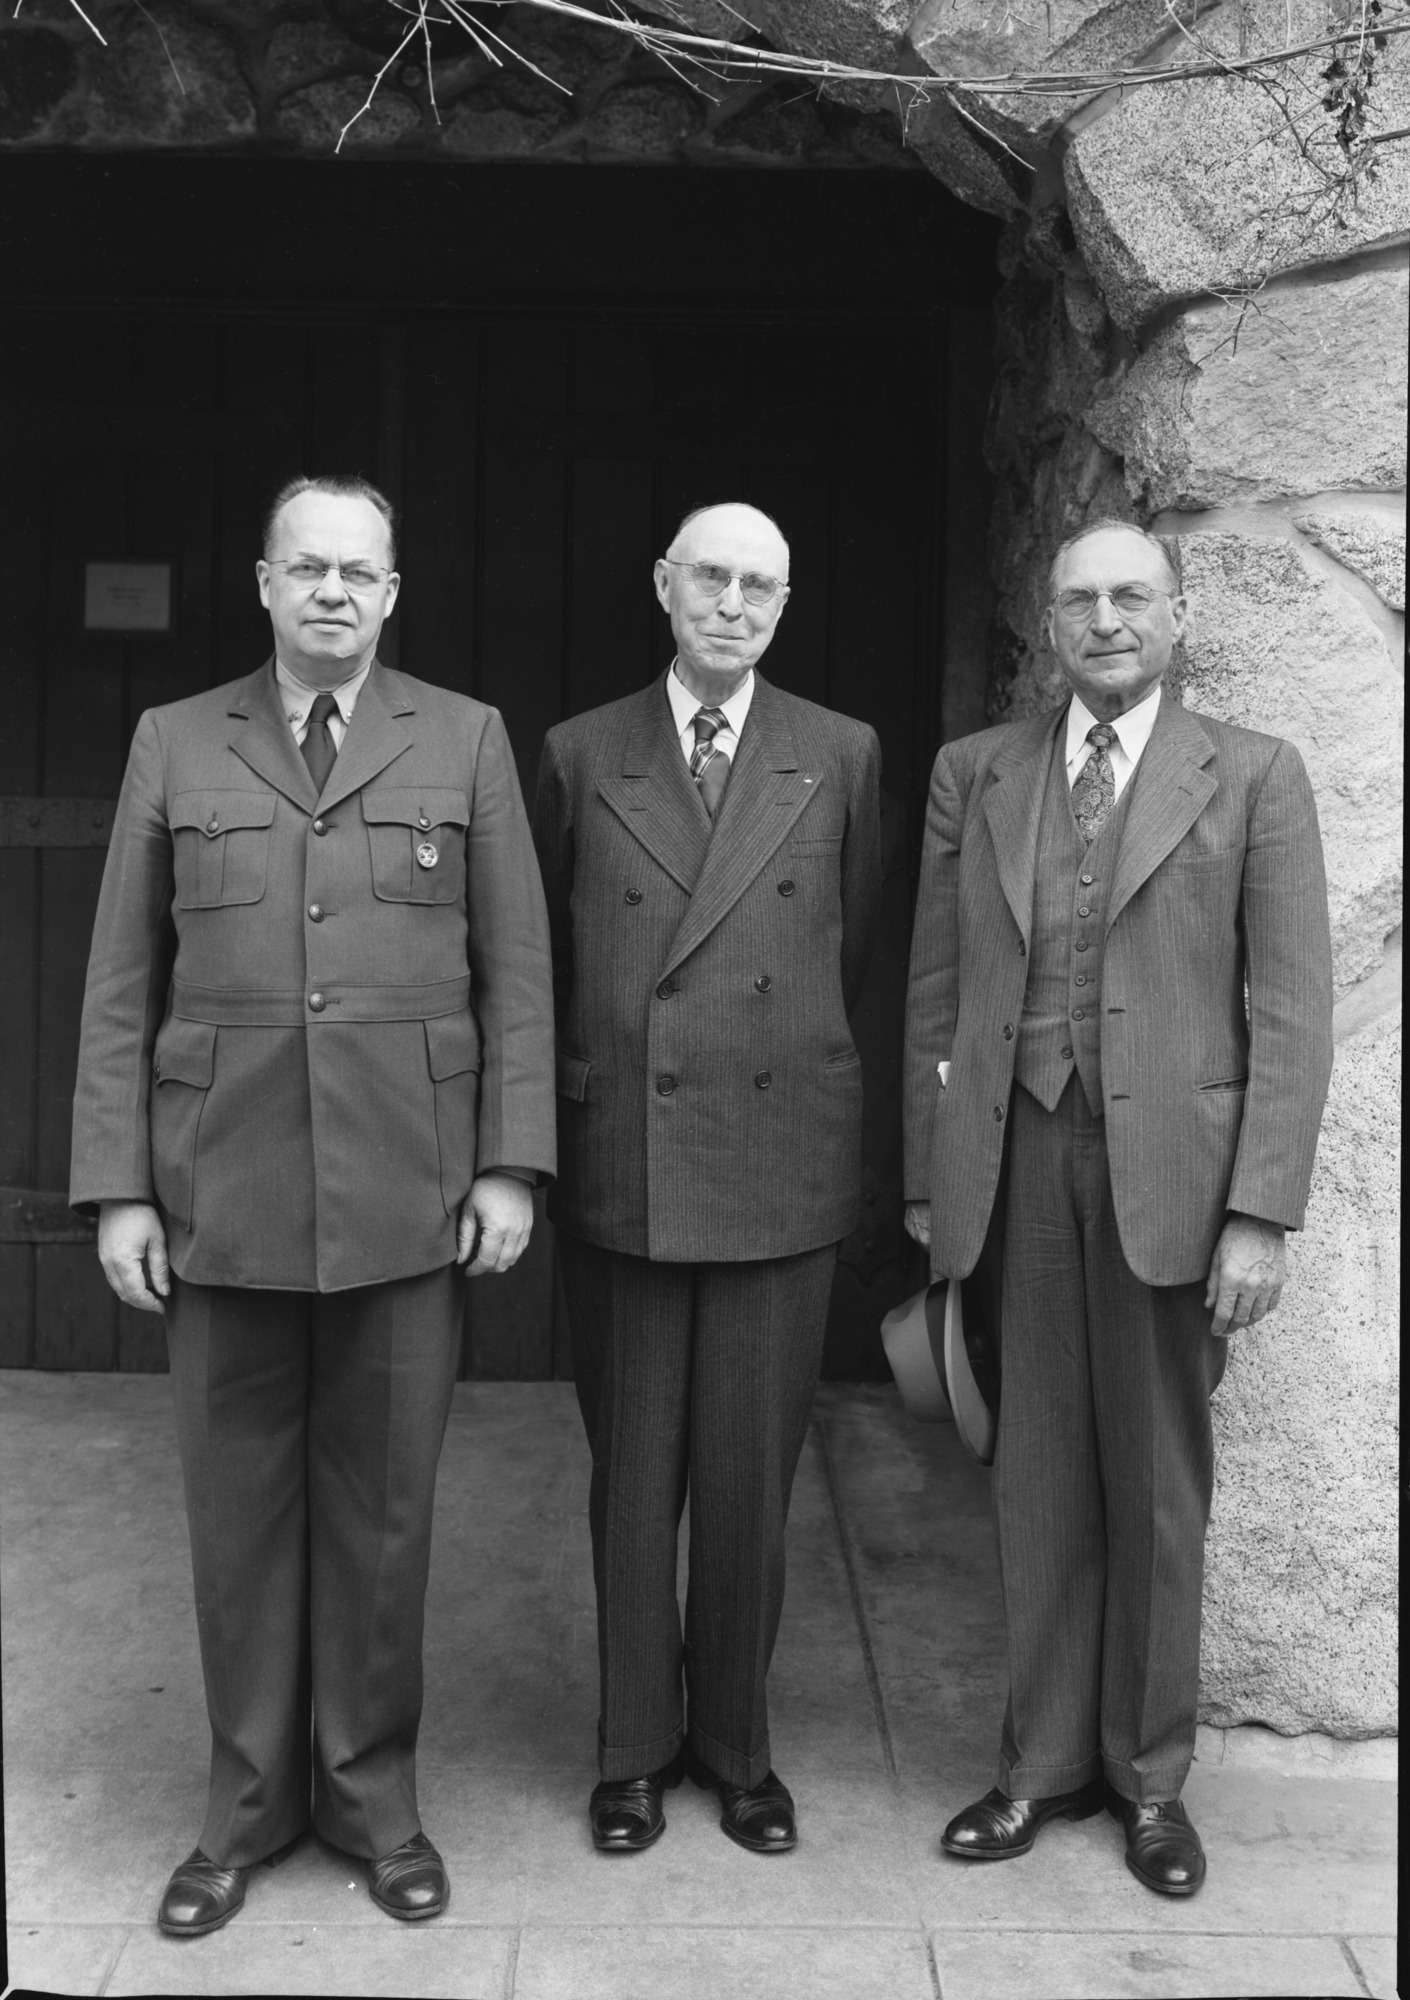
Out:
{"x": 315, "y": 1078}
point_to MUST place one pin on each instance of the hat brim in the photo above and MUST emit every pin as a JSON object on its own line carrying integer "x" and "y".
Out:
{"x": 971, "y": 1378}
{"x": 913, "y": 1335}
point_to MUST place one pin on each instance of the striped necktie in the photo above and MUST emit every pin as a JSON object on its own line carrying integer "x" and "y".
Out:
{"x": 709, "y": 766}
{"x": 1094, "y": 787}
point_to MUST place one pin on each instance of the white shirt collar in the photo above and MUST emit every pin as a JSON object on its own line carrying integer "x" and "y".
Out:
{"x": 685, "y": 706}
{"x": 298, "y": 697}
{"x": 1133, "y": 729}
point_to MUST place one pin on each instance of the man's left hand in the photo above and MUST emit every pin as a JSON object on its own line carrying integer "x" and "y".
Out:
{"x": 1248, "y": 1272}
{"x": 496, "y": 1219}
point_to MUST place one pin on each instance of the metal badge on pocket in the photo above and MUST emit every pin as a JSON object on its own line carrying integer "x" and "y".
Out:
{"x": 427, "y": 854}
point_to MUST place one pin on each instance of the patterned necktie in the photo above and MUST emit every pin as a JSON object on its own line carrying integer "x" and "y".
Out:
{"x": 319, "y": 748}
{"x": 1094, "y": 787}
{"x": 709, "y": 766}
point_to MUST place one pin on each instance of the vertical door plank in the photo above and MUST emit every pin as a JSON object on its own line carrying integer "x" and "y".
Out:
{"x": 968, "y": 502}
{"x": 75, "y": 1310}
{"x": 16, "y": 1305}
{"x": 265, "y": 405}
{"x": 19, "y": 1014}
{"x": 611, "y": 597}
{"x": 436, "y": 611}
{"x": 69, "y": 878}
{"x": 85, "y": 746}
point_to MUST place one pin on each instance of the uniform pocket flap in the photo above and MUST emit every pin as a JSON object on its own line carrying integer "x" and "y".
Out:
{"x": 452, "y": 1044}
{"x": 214, "y": 813}
{"x": 421, "y": 807}
{"x": 573, "y": 1076}
{"x": 185, "y": 1053}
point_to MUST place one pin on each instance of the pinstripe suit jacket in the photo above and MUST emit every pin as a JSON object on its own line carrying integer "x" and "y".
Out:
{"x": 710, "y": 1094}
{"x": 1210, "y": 1104}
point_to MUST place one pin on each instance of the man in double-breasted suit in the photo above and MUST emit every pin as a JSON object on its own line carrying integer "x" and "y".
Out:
{"x": 710, "y": 850}
{"x": 315, "y": 1078}
{"x": 1121, "y": 995}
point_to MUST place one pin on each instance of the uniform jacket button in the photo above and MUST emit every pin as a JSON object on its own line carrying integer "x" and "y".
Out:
{"x": 320, "y": 826}
{"x": 665, "y": 1085}
{"x": 762, "y": 983}
{"x": 315, "y": 910}
{"x": 423, "y": 821}
{"x": 1078, "y": 1014}
{"x": 317, "y": 1002}
{"x": 785, "y": 888}
{"x": 762, "y": 1079}
{"x": 633, "y": 895}
{"x": 212, "y": 824}
{"x": 1084, "y": 911}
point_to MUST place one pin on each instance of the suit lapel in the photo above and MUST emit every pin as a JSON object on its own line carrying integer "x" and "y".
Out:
{"x": 654, "y": 796}
{"x": 767, "y": 792}
{"x": 262, "y": 738}
{"x": 1013, "y": 806}
{"x": 374, "y": 737}
{"x": 1171, "y": 790}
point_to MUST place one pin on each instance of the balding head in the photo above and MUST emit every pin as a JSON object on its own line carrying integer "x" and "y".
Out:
{"x": 701, "y": 581}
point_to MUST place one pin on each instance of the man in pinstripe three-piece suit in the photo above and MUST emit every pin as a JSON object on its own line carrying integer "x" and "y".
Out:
{"x": 1118, "y": 1051}
{"x": 710, "y": 851}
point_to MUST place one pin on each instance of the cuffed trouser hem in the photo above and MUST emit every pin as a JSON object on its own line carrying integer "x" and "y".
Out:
{"x": 734, "y": 1766}
{"x": 1146, "y": 1788}
{"x": 1045, "y": 1781}
{"x": 637, "y": 1760}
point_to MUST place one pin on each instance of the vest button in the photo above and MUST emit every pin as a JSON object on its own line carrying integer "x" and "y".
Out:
{"x": 317, "y": 1002}
{"x": 665, "y": 989}
{"x": 762, "y": 1079}
{"x": 1008, "y": 1032}
{"x": 633, "y": 895}
{"x": 762, "y": 983}
{"x": 665, "y": 1085}
{"x": 1081, "y": 944}
{"x": 1066, "y": 1054}
{"x": 320, "y": 826}
{"x": 1078, "y": 1015}
{"x": 999, "y": 1113}
{"x": 1080, "y": 980}
{"x": 315, "y": 910}
{"x": 1084, "y": 911}
{"x": 785, "y": 888}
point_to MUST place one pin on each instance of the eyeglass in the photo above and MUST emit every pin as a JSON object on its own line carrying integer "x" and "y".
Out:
{"x": 1130, "y": 599}
{"x": 714, "y": 580}
{"x": 357, "y": 576}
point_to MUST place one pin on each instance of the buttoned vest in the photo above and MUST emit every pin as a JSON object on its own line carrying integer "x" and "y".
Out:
{"x": 1061, "y": 1024}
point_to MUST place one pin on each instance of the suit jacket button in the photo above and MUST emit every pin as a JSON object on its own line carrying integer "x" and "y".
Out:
{"x": 665, "y": 1085}
{"x": 1008, "y": 1033}
{"x": 762, "y": 1079}
{"x": 633, "y": 895}
{"x": 1022, "y": 949}
{"x": 665, "y": 989}
{"x": 762, "y": 983}
{"x": 999, "y": 1113}
{"x": 320, "y": 826}
{"x": 315, "y": 910}
{"x": 785, "y": 888}
{"x": 317, "y": 1002}
{"x": 1087, "y": 881}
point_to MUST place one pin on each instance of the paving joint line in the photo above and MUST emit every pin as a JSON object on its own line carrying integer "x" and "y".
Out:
{"x": 511, "y": 1966}
{"x": 854, "y": 1591}
{"x": 1354, "y": 1962}
{"x": 933, "y": 1966}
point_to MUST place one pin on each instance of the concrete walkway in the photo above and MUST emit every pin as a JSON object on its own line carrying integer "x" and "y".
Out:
{"x": 887, "y": 1691}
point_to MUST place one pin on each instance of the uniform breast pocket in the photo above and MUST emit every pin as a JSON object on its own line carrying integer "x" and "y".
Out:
{"x": 221, "y": 843}
{"x": 417, "y": 842}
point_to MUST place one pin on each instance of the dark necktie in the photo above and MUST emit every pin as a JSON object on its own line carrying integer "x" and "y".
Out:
{"x": 709, "y": 766}
{"x": 318, "y": 746}
{"x": 1094, "y": 787}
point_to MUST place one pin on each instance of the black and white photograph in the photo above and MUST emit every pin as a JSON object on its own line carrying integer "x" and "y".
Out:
{"x": 701, "y": 743}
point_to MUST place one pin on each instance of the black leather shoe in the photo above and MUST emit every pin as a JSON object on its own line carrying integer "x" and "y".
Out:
{"x": 626, "y": 1813}
{"x": 996, "y": 1828}
{"x": 1162, "y": 1848}
{"x": 759, "y": 1817}
{"x": 201, "y": 1896}
{"x": 410, "y": 1882}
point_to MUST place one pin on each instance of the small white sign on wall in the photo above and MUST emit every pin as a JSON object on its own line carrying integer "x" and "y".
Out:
{"x": 127, "y": 597}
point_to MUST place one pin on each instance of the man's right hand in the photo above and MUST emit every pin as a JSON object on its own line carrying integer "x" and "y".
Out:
{"x": 130, "y": 1234}
{"x": 918, "y": 1222}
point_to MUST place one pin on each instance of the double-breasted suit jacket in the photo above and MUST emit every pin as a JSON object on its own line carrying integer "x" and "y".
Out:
{"x": 1215, "y": 994}
{"x": 710, "y": 1092}
{"x": 311, "y": 1020}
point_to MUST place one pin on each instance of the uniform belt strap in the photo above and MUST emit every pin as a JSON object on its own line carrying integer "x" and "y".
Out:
{"x": 265, "y": 1007}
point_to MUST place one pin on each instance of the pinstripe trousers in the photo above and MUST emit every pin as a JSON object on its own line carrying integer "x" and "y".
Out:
{"x": 1102, "y": 1478}
{"x": 309, "y": 1425}
{"x": 691, "y": 1378}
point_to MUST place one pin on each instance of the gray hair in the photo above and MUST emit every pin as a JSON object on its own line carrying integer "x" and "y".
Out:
{"x": 347, "y": 485}
{"x": 1167, "y": 547}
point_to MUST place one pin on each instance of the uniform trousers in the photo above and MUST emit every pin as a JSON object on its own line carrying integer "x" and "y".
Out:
{"x": 1102, "y": 1477}
{"x": 693, "y": 1378}
{"x": 309, "y": 1427}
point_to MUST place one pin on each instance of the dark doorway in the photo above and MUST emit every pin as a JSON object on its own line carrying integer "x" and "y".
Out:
{"x": 544, "y": 405}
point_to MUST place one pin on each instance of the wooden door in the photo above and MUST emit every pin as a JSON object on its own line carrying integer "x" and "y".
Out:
{"x": 541, "y": 463}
